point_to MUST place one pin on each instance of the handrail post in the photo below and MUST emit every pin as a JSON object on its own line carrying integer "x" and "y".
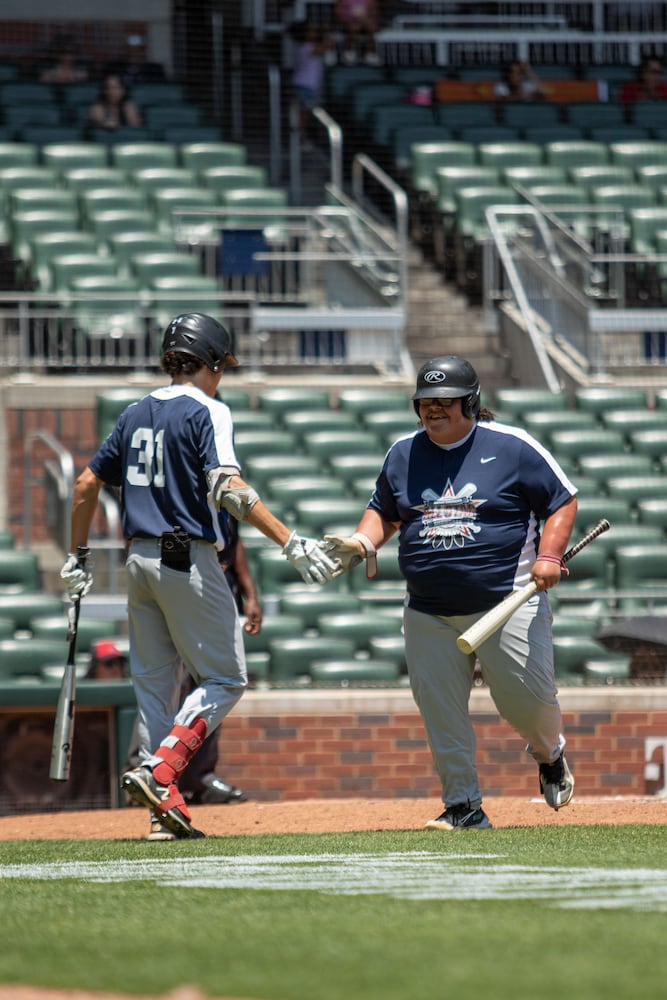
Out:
{"x": 335, "y": 136}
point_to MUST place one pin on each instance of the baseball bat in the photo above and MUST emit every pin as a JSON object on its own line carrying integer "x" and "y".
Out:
{"x": 63, "y": 728}
{"x": 489, "y": 623}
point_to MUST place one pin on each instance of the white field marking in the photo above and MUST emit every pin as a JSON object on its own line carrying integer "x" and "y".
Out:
{"x": 415, "y": 875}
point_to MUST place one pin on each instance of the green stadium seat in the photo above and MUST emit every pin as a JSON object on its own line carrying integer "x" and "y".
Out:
{"x": 389, "y": 647}
{"x": 280, "y": 401}
{"x": 594, "y": 114}
{"x": 533, "y": 175}
{"x": 133, "y": 156}
{"x": 16, "y": 154}
{"x": 222, "y": 179}
{"x": 358, "y": 626}
{"x": 26, "y": 657}
{"x": 311, "y": 604}
{"x": 610, "y": 668}
{"x": 105, "y": 225}
{"x": 590, "y": 510}
{"x": 598, "y": 399}
{"x": 543, "y": 423}
{"x": 620, "y": 199}
{"x": 524, "y": 116}
{"x": 575, "y": 153}
{"x": 111, "y": 199}
{"x": 274, "y": 626}
{"x": 428, "y": 156}
{"x": 509, "y": 154}
{"x": 43, "y": 199}
{"x": 149, "y": 179}
{"x": 389, "y": 424}
{"x": 46, "y": 246}
{"x": 362, "y": 401}
{"x": 450, "y": 179}
{"x": 341, "y": 79}
{"x": 589, "y": 572}
{"x": 571, "y": 652}
{"x": 125, "y": 245}
{"x": 544, "y": 135}
{"x": 106, "y": 307}
{"x": 652, "y": 442}
{"x": 7, "y": 539}
{"x": 82, "y": 179}
{"x": 308, "y": 421}
{"x": 65, "y": 268}
{"x": 174, "y": 293}
{"x": 323, "y": 444}
{"x": 604, "y": 467}
{"x": 64, "y": 157}
{"x": 629, "y": 421}
{"x": 651, "y": 175}
{"x": 291, "y": 490}
{"x": 54, "y": 628}
{"x": 263, "y": 442}
{"x": 653, "y": 512}
{"x": 159, "y": 117}
{"x": 291, "y": 658}
{"x": 351, "y": 467}
{"x": 479, "y": 134}
{"x": 171, "y": 206}
{"x": 591, "y": 177}
{"x": 158, "y": 92}
{"x": 565, "y": 624}
{"x": 462, "y": 114}
{"x": 259, "y": 469}
{"x": 356, "y": 672}
{"x": 19, "y": 571}
{"x": 519, "y": 400}
{"x": 644, "y": 224}
{"x": 471, "y": 205}
{"x": 252, "y": 420}
{"x": 254, "y": 208}
{"x": 628, "y": 533}
{"x": 636, "y": 488}
{"x": 389, "y": 576}
{"x": 366, "y": 96}
{"x": 23, "y": 607}
{"x": 322, "y": 515}
{"x": 641, "y": 575}
{"x": 200, "y": 156}
{"x": 386, "y": 119}
{"x": 636, "y": 154}
{"x": 404, "y": 139}
{"x": 587, "y": 441}
{"x": 146, "y": 267}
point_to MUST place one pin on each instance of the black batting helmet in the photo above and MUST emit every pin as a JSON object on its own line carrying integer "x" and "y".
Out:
{"x": 449, "y": 377}
{"x": 203, "y": 337}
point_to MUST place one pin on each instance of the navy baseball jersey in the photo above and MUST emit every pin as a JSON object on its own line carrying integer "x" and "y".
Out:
{"x": 159, "y": 453}
{"x": 469, "y": 514}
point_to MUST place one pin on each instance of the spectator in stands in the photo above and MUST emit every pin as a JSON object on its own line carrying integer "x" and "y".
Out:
{"x": 134, "y": 67}
{"x": 649, "y": 84}
{"x": 107, "y": 663}
{"x": 518, "y": 82}
{"x": 113, "y": 109}
{"x": 308, "y": 70}
{"x": 64, "y": 66}
{"x": 359, "y": 21}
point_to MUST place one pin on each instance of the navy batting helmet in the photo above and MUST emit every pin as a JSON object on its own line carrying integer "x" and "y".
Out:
{"x": 449, "y": 377}
{"x": 203, "y": 337}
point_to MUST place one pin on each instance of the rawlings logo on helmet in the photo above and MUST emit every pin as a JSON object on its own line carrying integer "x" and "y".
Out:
{"x": 434, "y": 376}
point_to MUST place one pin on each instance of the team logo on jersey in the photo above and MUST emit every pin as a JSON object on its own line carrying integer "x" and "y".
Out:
{"x": 449, "y": 519}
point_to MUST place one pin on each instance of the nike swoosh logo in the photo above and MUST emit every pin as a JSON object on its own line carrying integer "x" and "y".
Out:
{"x": 483, "y": 461}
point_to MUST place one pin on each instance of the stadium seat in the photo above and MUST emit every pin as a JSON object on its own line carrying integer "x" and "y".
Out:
{"x": 543, "y": 423}
{"x": 326, "y": 515}
{"x": 26, "y": 225}
{"x": 106, "y": 307}
{"x": 362, "y": 401}
{"x": 111, "y": 199}
{"x": 311, "y": 604}
{"x": 448, "y": 180}
{"x": 65, "y": 268}
{"x": 599, "y": 175}
{"x": 308, "y": 421}
{"x": 175, "y": 293}
{"x": 509, "y": 154}
{"x": 291, "y": 490}
{"x": 651, "y": 175}
{"x": 571, "y": 653}
{"x": 635, "y": 488}
{"x": 42, "y": 199}
{"x": 533, "y": 175}
{"x": 133, "y": 156}
{"x": 171, "y": 206}
{"x": 653, "y": 512}
{"x": 356, "y": 672}
{"x": 262, "y": 442}
{"x": 641, "y": 575}
{"x": 358, "y": 626}
{"x": 45, "y": 246}
{"x": 157, "y": 117}
{"x": 428, "y": 156}
{"x": 81, "y": 179}
{"x": 387, "y": 118}
{"x": 149, "y": 179}
{"x": 252, "y": 420}
{"x": 463, "y": 114}
{"x": 199, "y": 156}
{"x": 636, "y": 154}
{"x": 595, "y": 114}
{"x": 620, "y": 199}
{"x": 630, "y": 420}
{"x": 291, "y": 658}
{"x": 598, "y": 399}
{"x": 471, "y": 205}
{"x": 292, "y": 399}
{"x": 146, "y": 267}
{"x": 23, "y": 607}
{"x": 519, "y": 400}
{"x": 221, "y": 179}
{"x": 17, "y": 154}
{"x": 274, "y": 626}
{"x": 524, "y": 115}
{"x": 544, "y": 135}
{"x": 352, "y": 467}
{"x": 158, "y": 92}
{"x": 365, "y": 96}
{"x": 19, "y": 571}
{"x": 403, "y": 139}
{"x": 259, "y": 469}
{"x": 604, "y": 467}
{"x": 478, "y": 134}
{"x": 389, "y": 647}
{"x": 652, "y": 442}
{"x": 570, "y": 444}
{"x": 26, "y": 657}
{"x": 109, "y": 223}
{"x": 575, "y": 153}
{"x": 125, "y": 245}
{"x": 590, "y": 510}
{"x": 66, "y": 156}
{"x": 323, "y": 444}
{"x": 89, "y": 630}
{"x": 610, "y": 668}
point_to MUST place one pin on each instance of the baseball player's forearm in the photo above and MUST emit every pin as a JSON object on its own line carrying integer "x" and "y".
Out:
{"x": 84, "y": 503}
{"x": 556, "y": 533}
{"x": 375, "y": 528}
{"x": 260, "y": 517}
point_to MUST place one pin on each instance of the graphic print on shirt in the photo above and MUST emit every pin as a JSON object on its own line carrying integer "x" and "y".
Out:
{"x": 449, "y": 519}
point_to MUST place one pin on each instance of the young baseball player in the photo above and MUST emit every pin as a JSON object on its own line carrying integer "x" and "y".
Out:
{"x": 173, "y": 455}
{"x": 481, "y": 508}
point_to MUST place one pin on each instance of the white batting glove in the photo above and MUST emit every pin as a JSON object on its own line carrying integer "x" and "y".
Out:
{"x": 77, "y": 578}
{"x": 351, "y": 551}
{"x": 311, "y": 561}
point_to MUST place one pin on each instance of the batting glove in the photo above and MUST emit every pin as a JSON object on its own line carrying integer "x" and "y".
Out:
{"x": 351, "y": 551}
{"x": 311, "y": 561}
{"x": 77, "y": 578}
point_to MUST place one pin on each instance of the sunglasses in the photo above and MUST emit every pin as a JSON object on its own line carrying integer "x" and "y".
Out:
{"x": 435, "y": 401}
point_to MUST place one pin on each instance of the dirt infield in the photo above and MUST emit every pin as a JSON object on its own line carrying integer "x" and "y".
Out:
{"x": 329, "y": 816}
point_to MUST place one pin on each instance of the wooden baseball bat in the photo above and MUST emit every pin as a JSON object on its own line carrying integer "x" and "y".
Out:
{"x": 63, "y": 728}
{"x": 489, "y": 623}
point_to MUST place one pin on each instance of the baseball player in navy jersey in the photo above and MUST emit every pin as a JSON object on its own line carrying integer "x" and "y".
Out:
{"x": 481, "y": 508}
{"x": 173, "y": 455}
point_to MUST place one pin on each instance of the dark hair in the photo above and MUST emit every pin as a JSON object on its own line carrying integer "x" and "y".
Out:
{"x": 177, "y": 363}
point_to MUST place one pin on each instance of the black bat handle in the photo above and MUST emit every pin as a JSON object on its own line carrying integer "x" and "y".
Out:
{"x": 599, "y": 529}
{"x": 82, "y": 553}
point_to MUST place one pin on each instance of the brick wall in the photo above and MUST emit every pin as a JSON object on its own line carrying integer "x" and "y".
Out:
{"x": 331, "y": 744}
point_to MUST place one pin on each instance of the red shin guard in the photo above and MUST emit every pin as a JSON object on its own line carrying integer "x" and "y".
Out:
{"x": 177, "y": 751}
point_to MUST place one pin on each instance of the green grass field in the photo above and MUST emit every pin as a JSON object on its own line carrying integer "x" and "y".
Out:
{"x": 578, "y": 912}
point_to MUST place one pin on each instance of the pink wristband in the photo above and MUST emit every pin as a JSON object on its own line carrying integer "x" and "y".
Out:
{"x": 555, "y": 559}
{"x": 371, "y": 554}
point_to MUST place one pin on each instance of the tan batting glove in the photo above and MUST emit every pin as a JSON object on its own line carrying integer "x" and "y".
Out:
{"x": 352, "y": 551}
